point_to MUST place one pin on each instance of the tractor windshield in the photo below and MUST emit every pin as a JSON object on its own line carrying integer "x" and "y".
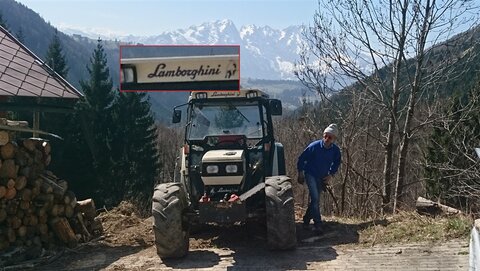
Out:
{"x": 231, "y": 118}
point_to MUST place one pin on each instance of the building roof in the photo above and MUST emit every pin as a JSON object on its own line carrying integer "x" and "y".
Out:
{"x": 22, "y": 73}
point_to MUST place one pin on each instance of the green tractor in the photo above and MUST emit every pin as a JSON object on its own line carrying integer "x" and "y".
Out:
{"x": 229, "y": 170}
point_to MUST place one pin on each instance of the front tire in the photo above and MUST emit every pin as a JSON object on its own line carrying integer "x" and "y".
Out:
{"x": 168, "y": 204}
{"x": 280, "y": 211}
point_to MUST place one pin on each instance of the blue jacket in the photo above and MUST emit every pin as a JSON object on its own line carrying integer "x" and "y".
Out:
{"x": 318, "y": 161}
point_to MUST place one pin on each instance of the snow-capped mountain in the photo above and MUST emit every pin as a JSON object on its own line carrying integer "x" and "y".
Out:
{"x": 266, "y": 53}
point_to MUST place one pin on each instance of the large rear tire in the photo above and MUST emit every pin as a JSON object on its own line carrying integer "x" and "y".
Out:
{"x": 280, "y": 212}
{"x": 171, "y": 236}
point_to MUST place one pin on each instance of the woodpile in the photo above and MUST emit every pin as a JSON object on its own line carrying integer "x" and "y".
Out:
{"x": 36, "y": 207}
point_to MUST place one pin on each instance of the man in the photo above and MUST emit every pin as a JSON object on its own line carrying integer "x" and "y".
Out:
{"x": 317, "y": 165}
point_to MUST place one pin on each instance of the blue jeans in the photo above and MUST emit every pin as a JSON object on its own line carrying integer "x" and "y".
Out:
{"x": 313, "y": 210}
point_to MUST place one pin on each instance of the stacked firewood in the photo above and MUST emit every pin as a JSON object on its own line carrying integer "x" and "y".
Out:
{"x": 36, "y": 207}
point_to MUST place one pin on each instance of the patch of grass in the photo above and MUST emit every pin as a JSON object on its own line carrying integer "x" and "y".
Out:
{"x": 411, "y": 227}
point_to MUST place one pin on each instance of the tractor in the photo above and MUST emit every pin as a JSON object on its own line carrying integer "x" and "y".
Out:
{"x": 229, "y": 170}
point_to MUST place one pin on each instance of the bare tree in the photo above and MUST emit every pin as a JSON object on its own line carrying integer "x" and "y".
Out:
{"x": 453, "y": 168}
{"x": 385, "y": 49}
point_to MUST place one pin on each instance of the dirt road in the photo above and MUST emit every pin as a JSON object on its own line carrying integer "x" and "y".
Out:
{"x": 243, "y": 248}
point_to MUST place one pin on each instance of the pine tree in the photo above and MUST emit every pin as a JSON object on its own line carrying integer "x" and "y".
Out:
{"x": 96, "y": 111}
{"x": 135, "y": 146}
{"x": 55, "y": 58}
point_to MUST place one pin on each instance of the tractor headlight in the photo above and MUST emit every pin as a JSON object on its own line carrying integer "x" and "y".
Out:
{"x": 212, "y": 169}
{"x": 252, "y": 94}
{"x": 231, "y": 169}
{"x": 201, "y": 95}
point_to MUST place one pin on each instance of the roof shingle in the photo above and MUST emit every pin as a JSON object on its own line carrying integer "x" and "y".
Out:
{"x": 22, "y": 73}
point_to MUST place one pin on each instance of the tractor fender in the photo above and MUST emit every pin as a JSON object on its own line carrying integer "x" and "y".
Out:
{"x": 278, "y": 163}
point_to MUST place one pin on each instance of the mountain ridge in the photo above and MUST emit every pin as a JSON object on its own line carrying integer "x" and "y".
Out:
{"x": 266, "y": 53}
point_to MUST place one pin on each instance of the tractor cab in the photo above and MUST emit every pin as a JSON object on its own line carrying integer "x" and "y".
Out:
{"x": 229, "y": 143}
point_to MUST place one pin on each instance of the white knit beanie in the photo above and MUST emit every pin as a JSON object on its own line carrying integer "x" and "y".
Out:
{"x": 331, "y": 129}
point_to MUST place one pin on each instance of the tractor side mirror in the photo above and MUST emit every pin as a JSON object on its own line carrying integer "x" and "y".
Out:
{"x": 275, "y": 107}
{"x": 177, "y": 116}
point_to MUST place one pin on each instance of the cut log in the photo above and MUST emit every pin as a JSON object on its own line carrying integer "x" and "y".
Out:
{"x": 43, "y": 219}
{"x": 36, "y": 185}
{"x": 38, "y": 157}
{"x": 10, "y": 183}
{"x": 61, "y": 210}
{"x": 55, "y": 210}
{"x": 88, "y": 208}
{"x": 22, "y": 231}
{"x": 36, "y": 192}
{"x": 44, "y": 198}
{"x": 69, "y": 211}
{"x": 427, "y": 207}
{"x": 46, "y": 147}
{"x": 81, "y": 222}
{"x": 33, "y": 220}
{"x": 25, "y": 171}
{"x": 70, "y": 199}
{"x": 63, "y": 184}
{"x": 29, "y": 144}
{"x": 23, "y": 158}
{"x": 4, "y": 138}
{"x": 46, "y": 188}
{"x": 14, "y": 222}
{"x": 3, "y": 191}
{"x": 58, "y": 190}
{"x": 24, "y": 205}
{"x": 8, "y": 150}
{"x": 64, "y": 232}
{"x": 16, "y": 123}
{"x": 12, "y": 207}
{"x": 40, "y": 211}
{"x": 47, "y": 160}
{"x": 26, "y": 220}
{"x": 11, "y": 193}
{"x": 8, "y": 169}
{"x": 20, "y": 182}
{"x": 26, "y": 194}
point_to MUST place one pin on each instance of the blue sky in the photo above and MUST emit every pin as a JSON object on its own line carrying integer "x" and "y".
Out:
{"x": 149, "y": 17}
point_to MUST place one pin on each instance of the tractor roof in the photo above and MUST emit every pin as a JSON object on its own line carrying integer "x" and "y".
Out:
{"x": 243, "y": 93}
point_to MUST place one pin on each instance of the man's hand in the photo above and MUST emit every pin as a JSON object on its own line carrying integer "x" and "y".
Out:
{"x": 301, "y": 177}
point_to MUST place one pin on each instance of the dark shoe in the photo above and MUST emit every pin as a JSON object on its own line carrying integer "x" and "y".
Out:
{"x": 306, "y": 226}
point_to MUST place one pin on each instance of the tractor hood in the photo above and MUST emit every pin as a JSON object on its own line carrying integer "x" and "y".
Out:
{"x": 223, "y": 156}
{"x": 223, "y": 167}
